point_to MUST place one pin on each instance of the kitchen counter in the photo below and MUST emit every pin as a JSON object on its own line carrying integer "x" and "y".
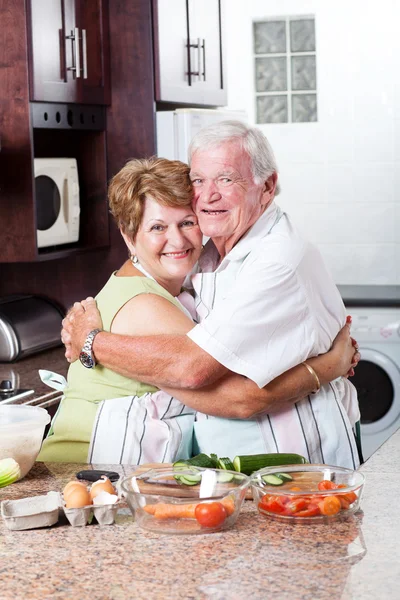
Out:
{"x": 24, "y": 374}
{"x": 259, "y": 558}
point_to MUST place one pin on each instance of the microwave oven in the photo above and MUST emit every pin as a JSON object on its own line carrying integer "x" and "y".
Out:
{"x": 57, "y": 201}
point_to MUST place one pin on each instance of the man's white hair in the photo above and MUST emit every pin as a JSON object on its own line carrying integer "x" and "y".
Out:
{"x": 251, "y": 139}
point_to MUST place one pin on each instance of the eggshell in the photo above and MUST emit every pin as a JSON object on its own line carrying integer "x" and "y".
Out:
{"x": 72, "y": 485}
{"x": 77, "y": 498}
{"x": 101, "y": 485}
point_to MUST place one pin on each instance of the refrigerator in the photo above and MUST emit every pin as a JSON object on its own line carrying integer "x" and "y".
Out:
{"x": 176, "y": 128}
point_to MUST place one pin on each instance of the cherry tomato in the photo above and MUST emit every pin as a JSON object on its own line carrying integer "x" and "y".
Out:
{"x": 327, "y": 485}
{"x": 330, "y": 505}
{"x": 210, "y": 514}
{"x": 349, "y": 496}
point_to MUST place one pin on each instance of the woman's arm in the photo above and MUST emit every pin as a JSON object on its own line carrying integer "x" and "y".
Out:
{"x": 234, "y": 396}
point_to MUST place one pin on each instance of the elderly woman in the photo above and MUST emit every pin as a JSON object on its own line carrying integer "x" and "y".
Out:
{"x": 107, "y": 417}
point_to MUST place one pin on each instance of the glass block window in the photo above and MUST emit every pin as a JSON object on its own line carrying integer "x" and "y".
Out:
{"x": 285, "y": 70}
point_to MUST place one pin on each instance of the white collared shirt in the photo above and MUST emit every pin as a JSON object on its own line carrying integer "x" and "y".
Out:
{"x": 269, "y": 305}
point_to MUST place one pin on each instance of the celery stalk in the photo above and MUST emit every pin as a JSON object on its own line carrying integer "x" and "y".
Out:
{"x": 9, "y": 471}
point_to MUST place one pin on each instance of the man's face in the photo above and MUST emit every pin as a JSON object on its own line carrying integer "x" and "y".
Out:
{"x": 226, "y": 199}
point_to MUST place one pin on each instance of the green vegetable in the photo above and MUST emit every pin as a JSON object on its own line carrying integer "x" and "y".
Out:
{"x": 226, "y": 463}
{"x": 9, "y": 471}
{"x": 201, "y": 460}
{"x": 272, "y": 479}
{"x": 250, "y": 463}
{"x": 284, "y": 476}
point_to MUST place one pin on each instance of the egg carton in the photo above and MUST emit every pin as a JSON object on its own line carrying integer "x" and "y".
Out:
{"x": 44, "y": 511}
{"x": 104, "y": 514}
{"x": 31, "y": 513}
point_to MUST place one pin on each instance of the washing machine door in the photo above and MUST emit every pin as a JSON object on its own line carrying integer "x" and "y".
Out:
{"x": 377, "y": 379}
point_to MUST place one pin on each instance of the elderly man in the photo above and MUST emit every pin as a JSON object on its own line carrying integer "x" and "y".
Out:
{"x": 265, "y": 301}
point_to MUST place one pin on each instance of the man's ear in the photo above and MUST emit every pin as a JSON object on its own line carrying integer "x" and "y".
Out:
{"x": 269, "y": 188}
{"x": 128, "y": 242}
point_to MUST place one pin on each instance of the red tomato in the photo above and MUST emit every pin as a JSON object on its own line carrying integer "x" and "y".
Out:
{"x": 210, "y": 514}
{"x": 273, "y": 505}
{"x": 349, "y": 496}
{"x": 312, "y": 510}
{"x": 327, "y": 485}
{"x": 296, "y": 504}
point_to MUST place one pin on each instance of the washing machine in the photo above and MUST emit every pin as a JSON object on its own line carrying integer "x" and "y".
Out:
{"x": 377, "y": 376}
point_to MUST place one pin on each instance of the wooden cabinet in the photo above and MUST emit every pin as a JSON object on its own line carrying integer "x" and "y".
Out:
{"x": 69, "y": 51}
{"x": 189, "y": 52}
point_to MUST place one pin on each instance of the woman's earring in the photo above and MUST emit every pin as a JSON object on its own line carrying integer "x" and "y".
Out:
{"x": 134, "y": 259}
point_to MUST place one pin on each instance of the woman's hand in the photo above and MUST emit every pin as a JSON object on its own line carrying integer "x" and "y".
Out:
{"x": 345, "y": 352}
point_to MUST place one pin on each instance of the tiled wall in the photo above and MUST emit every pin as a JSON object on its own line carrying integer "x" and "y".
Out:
{"x": 340, "y": 176}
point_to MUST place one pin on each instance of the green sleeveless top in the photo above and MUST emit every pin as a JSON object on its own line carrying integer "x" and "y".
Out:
{"x": 101, "y": 383}
{"x": 70, "y": 433}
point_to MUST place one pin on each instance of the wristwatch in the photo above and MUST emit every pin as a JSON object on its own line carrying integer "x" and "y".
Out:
{"x": 86, "y": 355}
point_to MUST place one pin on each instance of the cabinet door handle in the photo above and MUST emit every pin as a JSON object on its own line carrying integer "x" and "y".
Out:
{"x": 77, "y": 58}
{"x": 84, "y": 54}
{"x": 204, "y": 59}
{"x": 76, "y": 66}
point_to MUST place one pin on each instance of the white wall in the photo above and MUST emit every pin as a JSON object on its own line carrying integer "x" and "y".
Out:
{"x": 340, "y": 176}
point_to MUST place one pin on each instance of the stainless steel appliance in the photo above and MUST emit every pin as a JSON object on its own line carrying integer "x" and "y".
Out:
{"x": 28, "y": 324}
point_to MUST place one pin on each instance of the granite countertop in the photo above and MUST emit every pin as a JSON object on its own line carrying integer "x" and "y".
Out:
{"x": 259, "y": 558}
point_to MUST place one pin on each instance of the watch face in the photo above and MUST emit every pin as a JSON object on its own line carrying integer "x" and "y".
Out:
{"x": 86, "y": 360}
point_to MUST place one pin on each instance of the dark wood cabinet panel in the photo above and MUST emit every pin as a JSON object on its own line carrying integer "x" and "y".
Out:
{"x": 69, "y": 51}
{"x": 189, "y": 52}
{"x": 130, "y": 133}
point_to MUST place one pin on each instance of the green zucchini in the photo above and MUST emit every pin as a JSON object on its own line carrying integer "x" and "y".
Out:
{"x": 250, "y": 463}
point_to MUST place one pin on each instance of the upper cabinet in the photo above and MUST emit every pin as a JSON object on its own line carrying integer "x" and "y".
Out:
{"x": 69, "y": 51}
{"x": 189, "y": 52}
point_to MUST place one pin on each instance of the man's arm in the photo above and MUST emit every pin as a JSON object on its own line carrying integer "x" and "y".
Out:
{"x": 232, "y": 395}
{"x": 166, "y": 360}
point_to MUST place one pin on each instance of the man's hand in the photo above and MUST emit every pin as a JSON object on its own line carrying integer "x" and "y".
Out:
{"x": 346, "y": 349}
{"x": 81, "y": 319}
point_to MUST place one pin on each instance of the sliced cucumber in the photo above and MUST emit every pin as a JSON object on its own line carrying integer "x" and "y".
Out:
{"x": 226, "y": 463}
{"x": 284, "y": 476}
{"x": 225, "y": 477}
{"x": 189, "y": 479}
{"x": 215, "y": 460}
{"x": 201, "y": 460}
{"x": 272, "y": 479}
{"x": 250, "y": 463}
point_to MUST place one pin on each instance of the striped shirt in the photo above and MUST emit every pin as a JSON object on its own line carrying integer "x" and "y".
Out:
{"x": 268, "y": 306}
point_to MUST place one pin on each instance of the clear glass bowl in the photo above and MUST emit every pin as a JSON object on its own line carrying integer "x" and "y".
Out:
{"x": 185, "y": 501}
{"x": 21, "y": 433}
{"x": 300, "y": 499}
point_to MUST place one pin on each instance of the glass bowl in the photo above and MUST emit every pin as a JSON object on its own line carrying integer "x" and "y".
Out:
{"x": 307, "y": 493}
{"x": 185, "y": 500}
{"x": 21, "y": 434}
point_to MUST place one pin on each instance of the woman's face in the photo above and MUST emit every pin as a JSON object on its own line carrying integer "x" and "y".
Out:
{"x": 168, "y": 242}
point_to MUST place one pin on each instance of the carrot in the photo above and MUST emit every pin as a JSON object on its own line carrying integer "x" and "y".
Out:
{"x": 150, "y": 508}
{"x": 229, "y": 505}
{"x": 175, "y": 511}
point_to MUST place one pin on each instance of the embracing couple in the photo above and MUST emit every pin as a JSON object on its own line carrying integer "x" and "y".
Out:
{"x": 240, "y": 347}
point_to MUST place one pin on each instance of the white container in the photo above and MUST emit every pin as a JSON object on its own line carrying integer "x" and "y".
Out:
{"x": 31, "y": 513}
{"x": 21, "y": 434}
